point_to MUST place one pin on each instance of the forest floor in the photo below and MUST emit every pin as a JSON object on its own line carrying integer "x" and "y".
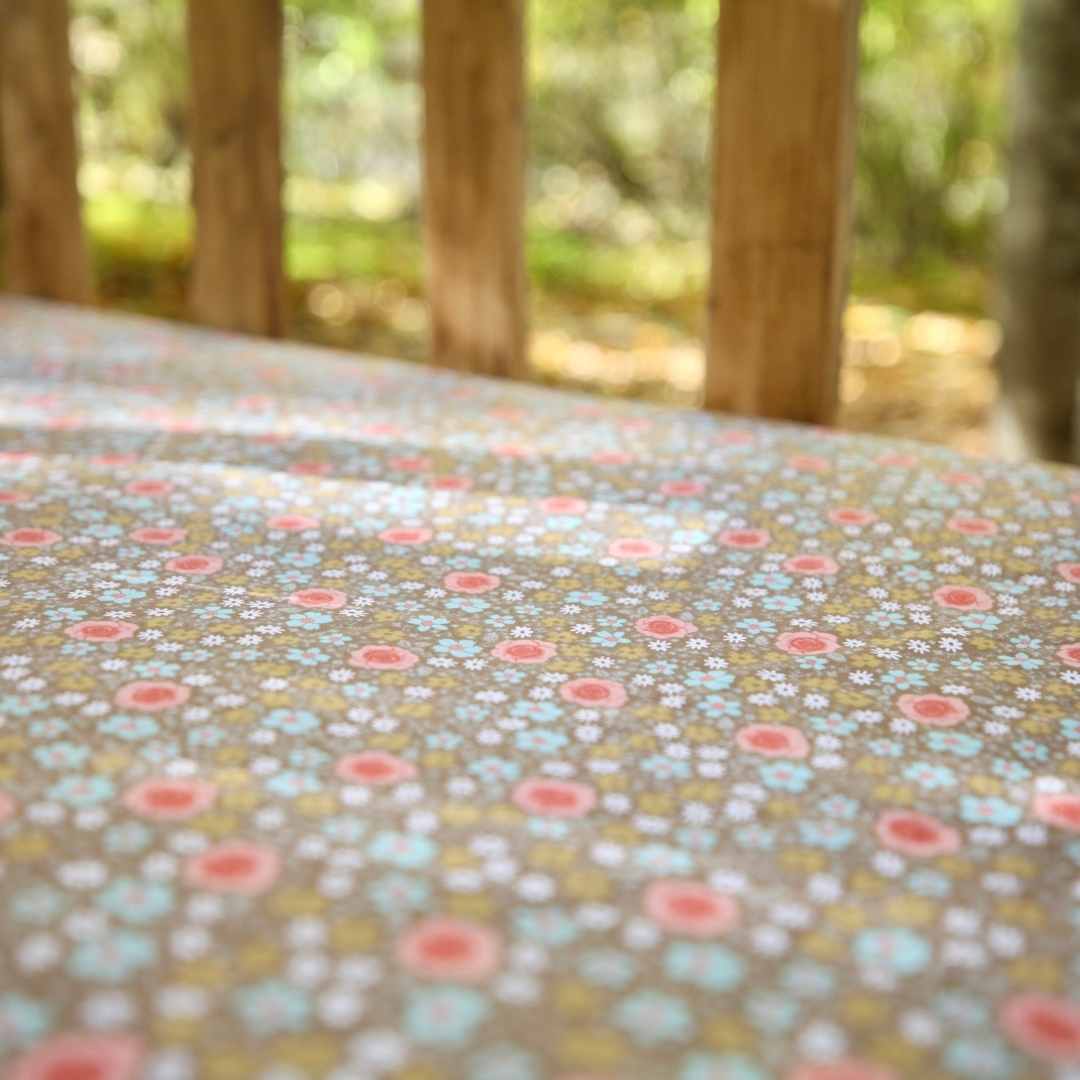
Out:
{"x": 602, "y": 319}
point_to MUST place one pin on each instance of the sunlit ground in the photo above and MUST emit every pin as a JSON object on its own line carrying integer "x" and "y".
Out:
{"x": 602, "y": 319}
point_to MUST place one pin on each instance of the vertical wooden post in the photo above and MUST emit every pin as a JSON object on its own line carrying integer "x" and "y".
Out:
{"x": 238, "y": 280}
{"x": 46, "y": 252}
{"x": 782, "y": 160}
{"x": 474, "y": 188}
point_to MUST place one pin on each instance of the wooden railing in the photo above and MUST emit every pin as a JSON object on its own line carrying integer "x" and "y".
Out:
{"x": 782, "y": 154}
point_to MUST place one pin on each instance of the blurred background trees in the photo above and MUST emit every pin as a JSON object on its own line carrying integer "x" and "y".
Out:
{"x": 620, "y": 93}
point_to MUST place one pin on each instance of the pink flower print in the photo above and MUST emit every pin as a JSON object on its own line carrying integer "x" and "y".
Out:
{"x": 963, "y": 598}
{"x": 735, "y": 437}
{"x": 195, "y": 564}
{"x": 554, "y": 798}
{"x": 401, "y": 534}
{"x": 682, "y": 488}
{"x": 152, "y": 696}
{"x": 167, "y": 798}
{"x": 597, "y": 693}
{"x": 563, "y": 504}
{"x": 612, "y": 457}
{"x": 1046, "y": 1027}
{"x": 234, "y": 867}
{"x": 635, "y": 548}
{"x": 309, "y": 468}
{"x": 383, "y": 658}
{"x": 7, "y": 807}
{"x": 524, "y": 651}
{"x": 846, "y": 1069}
{"x": 912, "y": 833}
{"x": 934, "y": 710}
{"x": 158, "y": 534}
{"x": 78, "y": 1056}
{"x": 101, "y": 630}
{"x": 811, "y": 564}
{"x": 852, "y": 515}
{"x": 451, "y": 483}
{"x": 973, "y": 526}
{"x": 690, "y": 908}
{"x": 374, "y": 767}
{"x": 808, "y": 463}
{"x": 744, "y": 538}
{"x": 773, "y": 740}
{"x": 470, "y": 581}
{"x": 30, "y": 537}
{"x": 8, "y": 496}
{"x": 807, "y": 643}
{"x": 410, "y": 464}
{"x": 453, "y": 949}
{"x": 896, "y": 460}
{"x": 293, "y": 522}
{"x": 1062, "y": 811}
{"x": 1070, "y": 654}
{"x": 957, "y": 478}
{"x": 148, "y": 487}
{"x": 328, "y": 599}
{"x": 664, "y": 627}
{"x": 1070, "y": 571}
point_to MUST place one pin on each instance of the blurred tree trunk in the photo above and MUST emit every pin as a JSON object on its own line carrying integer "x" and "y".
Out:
{"x": 1040, "y": 356}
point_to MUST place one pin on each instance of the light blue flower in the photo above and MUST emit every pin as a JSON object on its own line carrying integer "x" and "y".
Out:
{"x": 407, "y": 850}
{"x": 399, "y": 895}
{"x": 989, "y": 810}
{"x": 61, "y": 755}
{"x": 959, "y": 743}
{"x": 82, "y": 791}
{"x": 650, "y": 1018}
{"x": 113, "y": 957}
{"x": 894, "y": 949}
{"x": 291, "y": 721}
{"x": 981, "y": 1056}
{"x": 505, "y": 1062}
{"x": 930, "y": 775}
{"x": 540, "y": 741}
{"x": 38, "y": 904}
{"x": 806, "y": 978}
{"x": 785, "y": 775}
{"x": 129, "y": 728}
{"x": 550, "y": 926}
{"x": 712, "y": 967}
{"x": 136, "y": 901}
{"x": 272, "y": 1006}
{"x": 291, "y": 784}
{"x": 22, "y": 1021}
{"x": 444, "y": 1015}
{"x": 707, "y": 1066}
{"x": 829, "y": 835}
{"x": 126, "y": 837}
{"x": 608, "y": 967}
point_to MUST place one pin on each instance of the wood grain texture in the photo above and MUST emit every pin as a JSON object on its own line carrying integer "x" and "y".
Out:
{"x": 238, "y": 278}
{"x": 46, "y": 252}
{"x": 782, "y": 161}
{"x": 474, "y": 189}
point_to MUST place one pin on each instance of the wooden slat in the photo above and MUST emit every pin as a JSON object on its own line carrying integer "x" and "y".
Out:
{"x": 474, "y": 149}
{"x": 782, "y": 160}
{"x": 236, "y": 61}
{"x": 46, "y": 251}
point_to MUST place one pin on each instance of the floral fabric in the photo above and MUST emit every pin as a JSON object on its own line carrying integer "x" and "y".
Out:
{"x": 365, "y": 720}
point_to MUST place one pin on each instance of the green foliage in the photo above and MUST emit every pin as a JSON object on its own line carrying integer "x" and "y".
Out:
{"x": 620, "y": 92}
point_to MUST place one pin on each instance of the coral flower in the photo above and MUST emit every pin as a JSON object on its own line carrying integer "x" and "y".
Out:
{"x": 807, "y": 643}
{"x": 374, "y": 767}
{"x": 524, "y": 651}
{"x": 811, "y": 564}
{"x": 1060, "y": 810}
{"x": 383, "y": 658}
{"x": 598, "y": 693}
{"x": 554, "y": 798}
{"x": 328, "y": 599}
{"x": 934, "y": 710}
{"x": 1046, "y": 1027}
{"x": 635, "y": 548}
{"x": 30, "y": 537}
{"x": 79, "y": 1056}
{"x": 157, "y": 534}
{"x": 963, "y": 598}
{"x": 743, "y": 538}
{"x": 1070, "y": 654}
{"x": 293, "y": 522}
{"x": 690, "y": 908}
{"x": 563, "y": 504}
{"x": 234, "y": 867}
{"x": 403, "y": 535}
{"x": 453, "y": 949}
{"x": 773, "y": 740}
{"x": 664, "y": 627}
{"x": 470, "y": 582}
{"x": 195, "y": 564}
{"x": 169, "y": 798}
{"x": 916, "y": 834}
{"x": 851, "y": 515}
{"x": 102, "y": 630}
{"x": 152, "y": 696}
